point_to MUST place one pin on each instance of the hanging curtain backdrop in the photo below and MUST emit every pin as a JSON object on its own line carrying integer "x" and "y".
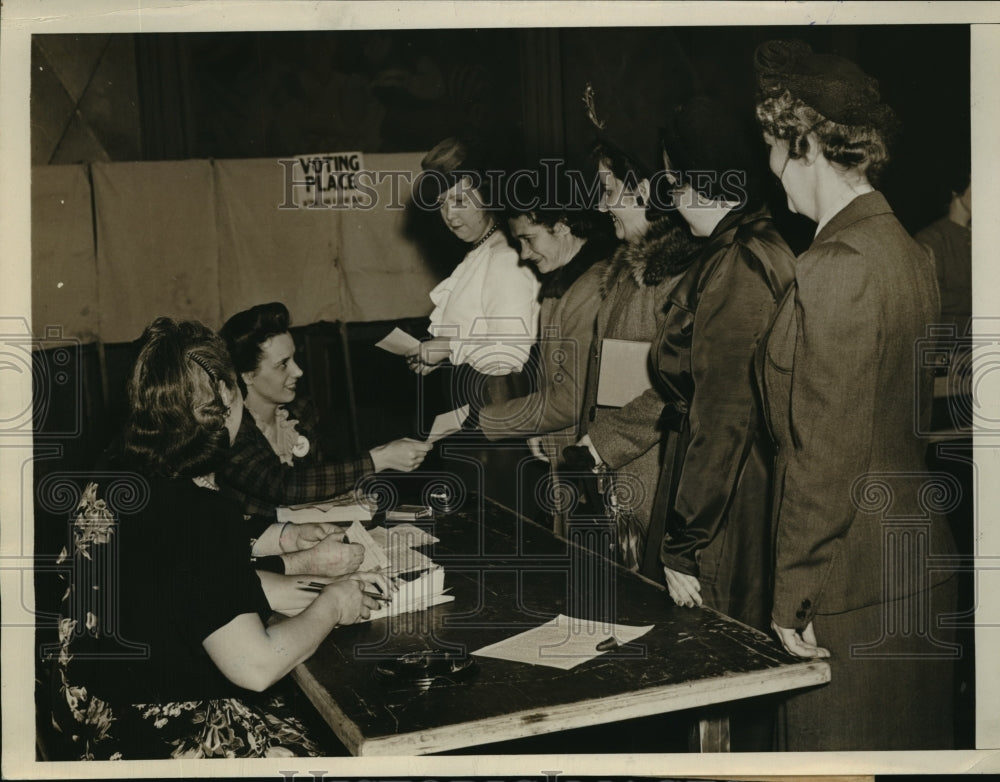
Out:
{"x": 387, "y": 277}
{"x": 203, "y": 239}
{"x": 271, "y": 254}
{"x": 63, "y": 268}
{"x": 157, "y": 247}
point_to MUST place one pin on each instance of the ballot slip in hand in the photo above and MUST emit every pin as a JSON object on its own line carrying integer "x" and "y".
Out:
{"x": 448, "y": 423}
{"x": 375, "y": 556}
{"x": 398, "y": 342}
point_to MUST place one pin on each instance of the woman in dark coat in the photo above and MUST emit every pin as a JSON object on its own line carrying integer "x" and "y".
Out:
{"x": 855, "y": 521}
{"x": 712, "y": 502}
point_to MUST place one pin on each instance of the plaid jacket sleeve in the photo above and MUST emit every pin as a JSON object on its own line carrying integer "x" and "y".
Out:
{"x": 260, "y": 481}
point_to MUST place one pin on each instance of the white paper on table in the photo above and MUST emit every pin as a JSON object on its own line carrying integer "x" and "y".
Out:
{"x": 398, "y": 341}
{"x": 564, "y": 642}
{"x": 412, "y": 595}
{"x": 403, "y": 559}
{"x": 399, "y": 543}
{"x": 410, "y": 535}
{"x": 401, "y": 535}
{"x": 448, "y": 423}
{"x": 322, "y": 512}
{"x": 375, "y": 556}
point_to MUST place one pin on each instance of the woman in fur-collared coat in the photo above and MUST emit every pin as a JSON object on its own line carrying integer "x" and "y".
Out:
{"x": 634, "y": 289}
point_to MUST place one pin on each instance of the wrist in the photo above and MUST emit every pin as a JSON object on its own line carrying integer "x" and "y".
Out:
{"x": 281, "y": 538}
{"x": 327, "y": 602}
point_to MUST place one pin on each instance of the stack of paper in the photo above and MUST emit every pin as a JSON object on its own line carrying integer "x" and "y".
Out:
{"x": 415, "y": 594}
{"x": 419, "y": 582}
{"x": 332, "y": 511}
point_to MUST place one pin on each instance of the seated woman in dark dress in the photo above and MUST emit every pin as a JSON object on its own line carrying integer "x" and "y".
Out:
{"x": 164, "y": 649}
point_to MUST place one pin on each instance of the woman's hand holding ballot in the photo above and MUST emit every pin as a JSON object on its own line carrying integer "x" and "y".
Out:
{"x": 404, "y": 454}
{"x": 428, "y": 355}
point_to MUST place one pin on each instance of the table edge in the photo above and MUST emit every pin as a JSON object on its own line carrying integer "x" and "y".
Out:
{"x": 627, "y": 705}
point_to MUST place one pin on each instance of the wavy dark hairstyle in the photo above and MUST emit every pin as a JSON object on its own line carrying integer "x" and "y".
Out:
{"x": 246, "y": 331}
{"x": 862, "y": 147}
{"x": 547, "y": 198}
{"x": 176, "y": 423}
{"x": 804, "y": 92}
{"x": 630, "y": 172}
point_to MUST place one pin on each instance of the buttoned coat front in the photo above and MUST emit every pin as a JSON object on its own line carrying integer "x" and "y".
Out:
{"x": 845, "y": 400}
{"x": 712, "y": 508}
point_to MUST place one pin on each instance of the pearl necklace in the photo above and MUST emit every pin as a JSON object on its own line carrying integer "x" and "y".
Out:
{"x": 484, "y": 237}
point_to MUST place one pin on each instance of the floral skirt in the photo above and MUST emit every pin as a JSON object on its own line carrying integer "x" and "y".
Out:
{"x": 221, "y": 728}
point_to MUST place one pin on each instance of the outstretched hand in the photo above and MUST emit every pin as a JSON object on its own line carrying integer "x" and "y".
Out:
{"x": 683, "y": 588}
{"x": 427, "y": 356}
{"x": 404, "y": 454}
{"x": 800, "y": 644}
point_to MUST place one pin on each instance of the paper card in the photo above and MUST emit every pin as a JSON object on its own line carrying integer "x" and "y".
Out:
{"x": 398, "y": 341}
{"x": 412, "y": 595}
{"x": 403, "y": 559}
{"x": 448, "y": 423}
{"x": 411, "y": 535}
{"x": 375, "y": 556}
{"x": 564, "y": 642}
{"x": 320, "y": 512}
{"x": 624, "y": 372}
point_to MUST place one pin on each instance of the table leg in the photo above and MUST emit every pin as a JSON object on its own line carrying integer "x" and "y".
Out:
{"x": 711, "y": 734}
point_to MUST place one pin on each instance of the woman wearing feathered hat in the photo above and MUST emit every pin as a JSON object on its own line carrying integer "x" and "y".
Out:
{"x": 854, "y": 517}
{"x": 625, "y": 439}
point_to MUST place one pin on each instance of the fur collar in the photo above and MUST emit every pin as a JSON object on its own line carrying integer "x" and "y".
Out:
{"x": 666, "y": 250}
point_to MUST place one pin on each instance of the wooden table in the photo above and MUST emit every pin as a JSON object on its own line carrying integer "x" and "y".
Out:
{"x": 509, "y": 575}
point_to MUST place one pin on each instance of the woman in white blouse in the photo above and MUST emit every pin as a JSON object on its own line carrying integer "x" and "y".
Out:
{"x": 485, "y": 316}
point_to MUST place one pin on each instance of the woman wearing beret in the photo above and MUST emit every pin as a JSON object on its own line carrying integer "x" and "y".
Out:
{"x": 713, "y": 500}
{"x": 853, "y": 522}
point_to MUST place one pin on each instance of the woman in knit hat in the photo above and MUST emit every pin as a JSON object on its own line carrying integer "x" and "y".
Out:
{"x": 856, "y": 516}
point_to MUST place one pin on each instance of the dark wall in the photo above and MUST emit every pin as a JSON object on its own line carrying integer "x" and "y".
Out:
{"x": 262, "y": 94}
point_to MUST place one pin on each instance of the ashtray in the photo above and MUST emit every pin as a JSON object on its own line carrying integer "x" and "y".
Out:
{"x": 425, "y": 668}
